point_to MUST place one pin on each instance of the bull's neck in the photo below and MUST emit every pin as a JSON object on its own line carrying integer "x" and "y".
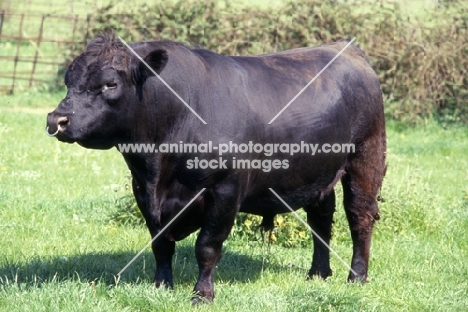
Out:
{"x": 155, "y": 122}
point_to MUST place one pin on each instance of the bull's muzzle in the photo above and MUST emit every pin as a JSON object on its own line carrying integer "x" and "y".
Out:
{"x": 56, "y": 124}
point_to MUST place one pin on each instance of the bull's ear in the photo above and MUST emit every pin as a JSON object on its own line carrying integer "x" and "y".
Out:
{"x": 157, "y": 60}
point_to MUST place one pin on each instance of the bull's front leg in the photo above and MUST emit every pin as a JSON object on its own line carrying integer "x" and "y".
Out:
{"x": 220, "y": 211}
{"x": 163, "y": 249}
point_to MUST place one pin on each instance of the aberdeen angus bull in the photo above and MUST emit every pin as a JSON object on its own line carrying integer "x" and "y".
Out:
{"x": 113, "y": 98}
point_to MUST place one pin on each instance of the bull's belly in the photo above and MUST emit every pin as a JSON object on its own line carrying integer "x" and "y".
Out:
{"x": 262, "y": 201}
{"x": 268, "y": 204}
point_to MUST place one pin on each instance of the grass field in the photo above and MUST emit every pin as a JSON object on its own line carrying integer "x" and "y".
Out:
{"x": 61, "y": 252}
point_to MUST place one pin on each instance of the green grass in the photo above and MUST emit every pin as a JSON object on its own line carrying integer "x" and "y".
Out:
{"x": 61, "y": 252}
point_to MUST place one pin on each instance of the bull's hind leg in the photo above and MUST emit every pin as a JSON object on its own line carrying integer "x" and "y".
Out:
{"x": 365, "y": 170}
{"x": 320, "y": 219}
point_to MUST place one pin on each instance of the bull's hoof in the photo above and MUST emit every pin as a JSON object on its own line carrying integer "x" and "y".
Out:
{"x": 198, "y": 299}
{"x": 319, "y": 274}
{"x": 164, "y": 284}
{"x": 352, "y": 278}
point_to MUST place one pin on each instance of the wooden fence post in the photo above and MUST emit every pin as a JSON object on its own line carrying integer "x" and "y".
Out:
{"x": 18, "y": 46}
{"x": 39, "y": 39}
{"x": 2, "y": 17}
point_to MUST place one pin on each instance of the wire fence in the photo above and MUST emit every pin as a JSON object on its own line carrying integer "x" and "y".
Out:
{"x": 33, "y": 47}
{"x": 51, "y": 6}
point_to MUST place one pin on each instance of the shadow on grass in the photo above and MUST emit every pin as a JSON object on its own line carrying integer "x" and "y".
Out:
{"x": 103, "y": 268}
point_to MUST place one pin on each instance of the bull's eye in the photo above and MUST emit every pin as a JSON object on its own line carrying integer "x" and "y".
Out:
{"x": 109, "y": 86}
{"x": 96, "y": 89}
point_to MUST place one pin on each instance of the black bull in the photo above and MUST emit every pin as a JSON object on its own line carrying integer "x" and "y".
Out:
{"x": 114, "y": 98}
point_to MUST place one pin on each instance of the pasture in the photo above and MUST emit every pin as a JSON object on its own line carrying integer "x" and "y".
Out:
{"x": 61, "y": 250}
{"x": 61, "y": 246}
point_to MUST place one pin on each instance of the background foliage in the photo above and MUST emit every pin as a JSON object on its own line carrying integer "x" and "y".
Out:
{"x": 421, "y": 60}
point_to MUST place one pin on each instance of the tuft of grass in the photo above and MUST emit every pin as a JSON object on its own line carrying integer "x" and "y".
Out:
{"x": 127, "y": 213}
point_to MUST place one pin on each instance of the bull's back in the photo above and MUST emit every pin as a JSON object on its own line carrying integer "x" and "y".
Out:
{"x": 273, "y": 80}
{"x": 263, "y": 85}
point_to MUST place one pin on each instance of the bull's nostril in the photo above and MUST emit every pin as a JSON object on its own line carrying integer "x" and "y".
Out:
{"x": 63, "y": 121}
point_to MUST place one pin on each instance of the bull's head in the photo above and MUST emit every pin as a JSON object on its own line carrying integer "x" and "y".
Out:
{"x": 102, "y": 90}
